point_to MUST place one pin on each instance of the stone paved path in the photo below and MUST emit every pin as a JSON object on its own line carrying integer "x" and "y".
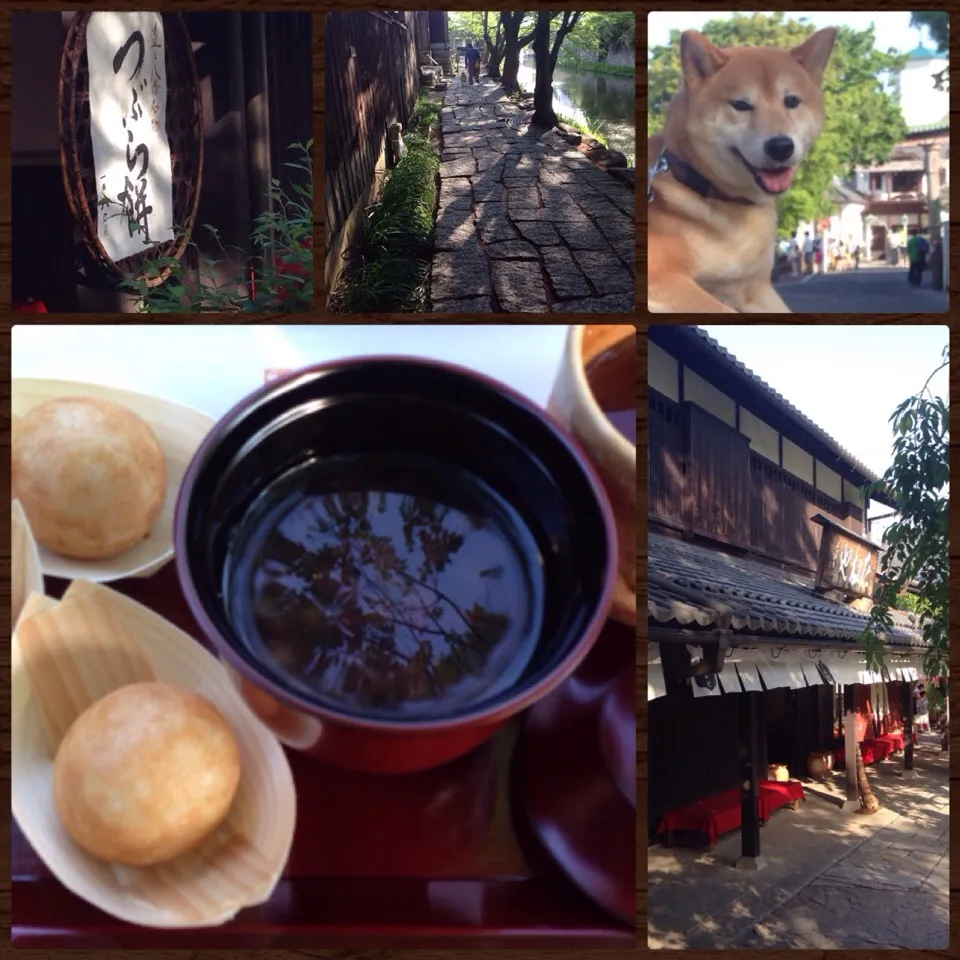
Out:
{"x": 833, "y": 880}
{"x": 525, "y": 225}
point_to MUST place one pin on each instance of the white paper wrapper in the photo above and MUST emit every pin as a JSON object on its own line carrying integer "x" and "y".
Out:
{"x": 178, "y": 429}
{"x": 65, "y": 657}
{"x": 26, "y": 576}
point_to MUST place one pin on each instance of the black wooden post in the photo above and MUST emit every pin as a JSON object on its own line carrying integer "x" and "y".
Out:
{"x": 797, "y": 764}
{"x": 850, "y": 748}
{"x": 908, "y": 770}
{"x": 749, "y": 723}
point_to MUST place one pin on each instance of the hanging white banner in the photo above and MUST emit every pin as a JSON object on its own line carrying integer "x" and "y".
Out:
{"x": 128, "y": 129}
{"x": 656, "y": 686}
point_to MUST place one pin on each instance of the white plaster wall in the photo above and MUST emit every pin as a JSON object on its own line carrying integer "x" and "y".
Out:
{"x": 663, "y": 372}
{"x": 707, "y": 396}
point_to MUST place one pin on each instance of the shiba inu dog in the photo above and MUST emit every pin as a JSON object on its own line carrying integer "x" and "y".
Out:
{"x": 734, "y": 136}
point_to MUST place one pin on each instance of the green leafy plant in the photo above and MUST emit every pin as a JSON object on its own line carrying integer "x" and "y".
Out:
{"x": 426, "y": 114}
{"x": 276, "y": 278}
{"x": 390, "y": 261}
{"x": 917, "y": 542}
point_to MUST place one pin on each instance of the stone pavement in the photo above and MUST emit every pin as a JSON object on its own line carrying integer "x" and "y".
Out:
{"x": 525, "y": 225}
{"x": 833, "y": 880}
{"x": 873, "y": 289}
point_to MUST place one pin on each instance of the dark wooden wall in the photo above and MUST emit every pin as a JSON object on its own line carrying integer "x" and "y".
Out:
{"x": 372, "y": 80}
{"x": 694, "y": 752}
{"x": 704, "y": 479}
{"x": 798, "y": 722}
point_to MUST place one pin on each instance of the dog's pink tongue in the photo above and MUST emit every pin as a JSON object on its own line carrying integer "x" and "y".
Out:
{"x": 776, "y": 181}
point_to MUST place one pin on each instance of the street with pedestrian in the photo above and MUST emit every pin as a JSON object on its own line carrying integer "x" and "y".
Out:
{"x": 869, "y": 289}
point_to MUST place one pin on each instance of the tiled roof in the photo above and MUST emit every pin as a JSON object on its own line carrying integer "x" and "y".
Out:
{"x": 691, "y": 584}
{"x": 808, "y": 424}
{"x": 943, "y": 124}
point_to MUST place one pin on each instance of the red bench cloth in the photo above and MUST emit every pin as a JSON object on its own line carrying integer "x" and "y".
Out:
{"x": 869, "y": 750}
{"x": 712, "y": 816}
{"x": 773, "y": 794}
{"x": 721, "y": 813}
{"x": 894, "y": 739}
{"x": 882, "y": 748}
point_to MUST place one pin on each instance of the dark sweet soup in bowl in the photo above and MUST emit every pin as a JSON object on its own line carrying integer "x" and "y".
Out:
{"x": 393, "y": 557}
{"x": 386, "y": 586}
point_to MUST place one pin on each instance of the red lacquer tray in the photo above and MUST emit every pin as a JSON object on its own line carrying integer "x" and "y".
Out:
{"x": 442, "y": 858}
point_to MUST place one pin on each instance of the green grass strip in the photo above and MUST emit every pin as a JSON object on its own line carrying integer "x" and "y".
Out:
{"x": 395, "y": 243}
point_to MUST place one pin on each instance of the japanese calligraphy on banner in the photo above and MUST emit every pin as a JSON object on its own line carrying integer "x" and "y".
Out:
{"x": 128, "y": 129}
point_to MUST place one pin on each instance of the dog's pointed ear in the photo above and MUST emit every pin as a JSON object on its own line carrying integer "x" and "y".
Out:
{"x": 699, "y": 58}
{"x": 814, "y": 53}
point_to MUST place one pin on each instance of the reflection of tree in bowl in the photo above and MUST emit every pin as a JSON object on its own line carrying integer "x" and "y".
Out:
{"x": 389, "y": 601}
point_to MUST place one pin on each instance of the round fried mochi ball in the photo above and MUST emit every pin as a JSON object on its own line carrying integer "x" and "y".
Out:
{"x": 90, "y": 476}
{"x": 145, "y": 774}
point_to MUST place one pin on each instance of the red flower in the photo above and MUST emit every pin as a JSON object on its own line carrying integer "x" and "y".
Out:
{"x": 30, "y": 306}
{"x": 292, "y": 267}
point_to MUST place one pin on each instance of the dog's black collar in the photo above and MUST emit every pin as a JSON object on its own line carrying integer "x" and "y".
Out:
{"x": 690, "y": 177}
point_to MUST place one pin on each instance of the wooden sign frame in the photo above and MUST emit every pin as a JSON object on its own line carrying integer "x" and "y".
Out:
{"x": 847, "y": 561}
{"x": 184, "y": 130}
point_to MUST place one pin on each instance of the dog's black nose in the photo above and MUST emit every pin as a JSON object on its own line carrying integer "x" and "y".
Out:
{"x": 779, "y": 148}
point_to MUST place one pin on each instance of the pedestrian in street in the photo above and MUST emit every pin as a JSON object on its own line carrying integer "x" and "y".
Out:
{"x": 818, "y": 254}
{"x": 794, "y": 254}
{"x": 923, "y": 251}
{"x": 917, "y": 255}
{"x": 471, "y": 57}
{"x": 920, "y": 709}
{"x": 808, "y": 252}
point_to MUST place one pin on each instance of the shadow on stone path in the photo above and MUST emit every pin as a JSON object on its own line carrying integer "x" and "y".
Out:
{"x": 833, "y": 880}
{"x": 525, "y": 225}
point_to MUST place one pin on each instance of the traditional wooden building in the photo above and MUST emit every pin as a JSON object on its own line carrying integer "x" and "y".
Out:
{"x": 759, "y": 579}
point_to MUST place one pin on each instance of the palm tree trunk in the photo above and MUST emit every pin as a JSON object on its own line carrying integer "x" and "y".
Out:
{"x": 868, "y": 802}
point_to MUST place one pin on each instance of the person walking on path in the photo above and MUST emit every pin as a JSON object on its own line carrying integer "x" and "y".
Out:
{"x": 808, "y": 252}
{"x": 917, "y": 249}
{"x": 471, "y": 57}
{"x": 923, "y": 251}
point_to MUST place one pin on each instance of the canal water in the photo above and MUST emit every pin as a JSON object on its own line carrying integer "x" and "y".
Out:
{"x": 600, "y": 99}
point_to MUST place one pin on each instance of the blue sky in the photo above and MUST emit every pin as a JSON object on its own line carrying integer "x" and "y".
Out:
{"x": 893, "y": 28}
{"x": 846, "y": 379}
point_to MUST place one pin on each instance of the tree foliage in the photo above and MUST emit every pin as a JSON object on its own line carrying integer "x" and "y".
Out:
{"x": 599, "y": 32}
{"x": 863, "y": 120}
{"x": 937, "y": 23}
{"x": 467, "y": 25}
{"x": 917, "y": 542}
